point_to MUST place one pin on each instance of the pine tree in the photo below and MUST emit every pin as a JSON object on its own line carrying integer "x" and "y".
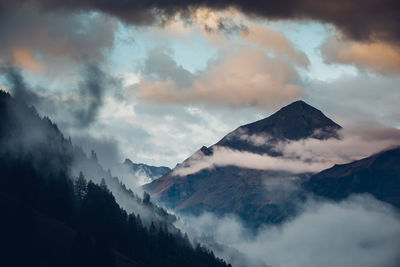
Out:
{"x": 146, "y": 198}
{"x": 152, "y": 229}
{"x": 80, "y": 187}
{"x": 103, "y": 184}
{"x": 93, "y": 156}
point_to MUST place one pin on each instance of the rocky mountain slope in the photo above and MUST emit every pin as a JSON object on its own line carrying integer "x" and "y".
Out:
{"x": 252, "y": 194}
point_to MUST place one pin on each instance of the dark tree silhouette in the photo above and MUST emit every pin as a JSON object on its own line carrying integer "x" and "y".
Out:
{"x": 80, "y": 187}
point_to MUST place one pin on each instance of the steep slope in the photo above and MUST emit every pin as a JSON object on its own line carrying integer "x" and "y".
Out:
{"x": 24, "y": 134}
{"x": 378, "y": 175}
{"x": 251, "y": 194}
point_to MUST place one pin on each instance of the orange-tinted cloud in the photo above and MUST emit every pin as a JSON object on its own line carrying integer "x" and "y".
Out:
{"x": 26, "y": 59}
{"x": 379, "y": 57}
{"x": 274, "y": 41}
{"x": 244, "y": 78}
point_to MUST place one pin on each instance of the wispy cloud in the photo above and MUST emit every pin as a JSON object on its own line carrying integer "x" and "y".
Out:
{"x": 303, "y": 156}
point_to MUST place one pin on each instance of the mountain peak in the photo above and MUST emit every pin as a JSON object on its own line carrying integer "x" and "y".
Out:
{"x": 295, "y": 121}
{"x": 299, "y": 107}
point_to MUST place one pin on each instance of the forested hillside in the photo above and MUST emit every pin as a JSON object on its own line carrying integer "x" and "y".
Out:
{"x": 50, "y": 218}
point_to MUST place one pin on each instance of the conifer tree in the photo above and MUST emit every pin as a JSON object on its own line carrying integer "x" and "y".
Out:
{"x": 80, "y": 187}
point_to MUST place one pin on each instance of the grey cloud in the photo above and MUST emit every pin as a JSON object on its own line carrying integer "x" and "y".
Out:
{"x": 38, "y": 40}
{"x": 358, "y": 99}
{"x": 77, "y": 108}
{"x": 106, "y": 148}
{"x": 159, "y": 65}
{"x": 17, "y": 83}
{"x": 92, "y": 93}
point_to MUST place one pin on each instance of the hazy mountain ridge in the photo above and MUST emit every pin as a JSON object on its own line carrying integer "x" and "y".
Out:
{"x": 152, "y": 172}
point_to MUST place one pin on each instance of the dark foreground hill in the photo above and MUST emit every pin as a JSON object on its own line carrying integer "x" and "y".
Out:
{"x": 50, "y": 218}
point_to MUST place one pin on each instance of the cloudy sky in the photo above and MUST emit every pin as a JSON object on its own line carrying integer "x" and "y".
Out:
{"x": 153, "y": 81}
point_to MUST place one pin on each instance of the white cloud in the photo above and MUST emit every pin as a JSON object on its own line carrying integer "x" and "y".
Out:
{"x": 307, "y": 155}
{"x": 224, "y": 157}
{"x": 357, "y": 232}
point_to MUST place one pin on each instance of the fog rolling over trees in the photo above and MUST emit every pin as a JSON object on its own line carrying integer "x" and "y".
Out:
{"x": 54, "y": 218}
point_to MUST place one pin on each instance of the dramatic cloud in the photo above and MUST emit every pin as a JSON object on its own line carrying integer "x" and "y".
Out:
{"x": 359, "y": 232}
{"x": 359, "y": 20}
{"x": 378, "y": 57}
{"x": 244, "y": 77}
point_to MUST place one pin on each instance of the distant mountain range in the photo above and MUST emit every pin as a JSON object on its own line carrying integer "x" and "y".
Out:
{"x": 151, "y": 172}
{"x": 260, "y": 196}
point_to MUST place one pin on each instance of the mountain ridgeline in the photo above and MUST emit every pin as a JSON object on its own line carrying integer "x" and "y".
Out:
{"x": 51, "y": 217}
{"x": 260, "y": 196}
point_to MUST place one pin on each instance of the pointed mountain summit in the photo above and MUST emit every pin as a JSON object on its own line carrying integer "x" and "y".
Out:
{"x": 295, "y": 121}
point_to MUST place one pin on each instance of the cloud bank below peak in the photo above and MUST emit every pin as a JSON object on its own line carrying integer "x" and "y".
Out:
{"x": 358, "y": 231}
{"x": 304, "y": 156}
